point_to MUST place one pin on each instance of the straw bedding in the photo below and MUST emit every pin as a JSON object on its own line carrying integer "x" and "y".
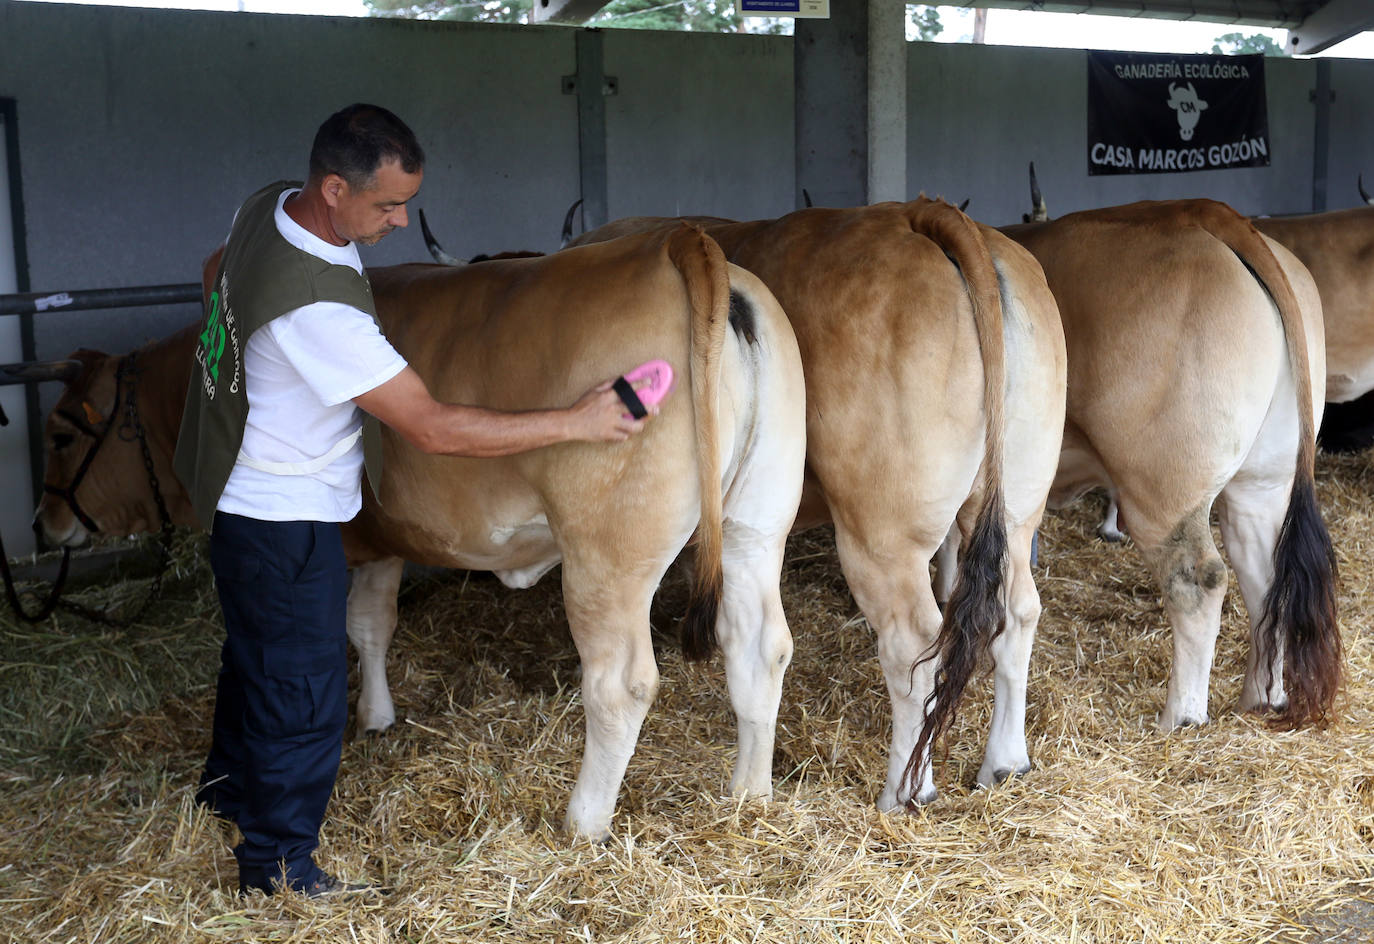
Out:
{"x": 1230, "y": 832}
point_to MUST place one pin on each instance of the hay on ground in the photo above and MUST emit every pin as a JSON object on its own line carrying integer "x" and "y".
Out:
{"x": 1231, "y": 832}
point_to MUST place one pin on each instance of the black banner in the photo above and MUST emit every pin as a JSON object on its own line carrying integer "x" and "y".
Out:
{"x": 1160, "y": 113}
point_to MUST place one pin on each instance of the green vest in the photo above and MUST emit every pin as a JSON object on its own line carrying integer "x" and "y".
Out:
{"x": 261, "y": 276}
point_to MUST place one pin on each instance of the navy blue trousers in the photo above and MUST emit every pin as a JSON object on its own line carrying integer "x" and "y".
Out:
{"x": 281, "y": 702}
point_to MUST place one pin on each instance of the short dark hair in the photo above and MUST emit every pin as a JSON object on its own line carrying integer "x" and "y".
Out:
{"x": 355, "y": 141}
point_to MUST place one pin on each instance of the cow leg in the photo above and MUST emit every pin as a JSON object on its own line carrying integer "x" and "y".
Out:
{"x": 947, "y": 566}
{"x": 1251, "y": 515}
{"x": 371, "y": 624}
{"x": 893, "y": 590}
{"x": 1192, "y": 577}
{"x": 1011, "y": 651}
{"x": 757, "y": 648}
{"x": 608, "y": 613}
{"x": 1109, "y": 529}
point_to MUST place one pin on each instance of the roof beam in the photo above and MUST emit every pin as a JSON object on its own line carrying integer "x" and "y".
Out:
{"x": 1273, "y": 13}
{"x": 1333, "y": 23}
{"x": 567, "y": 12}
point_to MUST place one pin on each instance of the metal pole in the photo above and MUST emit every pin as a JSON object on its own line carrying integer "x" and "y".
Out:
{"x": 88, "y": 299}
{"x": 1321, "y": 147}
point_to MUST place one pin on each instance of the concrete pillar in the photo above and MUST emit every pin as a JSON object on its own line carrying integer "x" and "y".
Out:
{"x": 850, "y": 83}
{"x": 886, "y": 100}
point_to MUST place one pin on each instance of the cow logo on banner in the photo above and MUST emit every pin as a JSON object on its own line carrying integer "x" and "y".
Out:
{"x": 1160, "y": 113}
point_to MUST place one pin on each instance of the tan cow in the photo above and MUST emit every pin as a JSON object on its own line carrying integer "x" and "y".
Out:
{"x": 1195, "y": 345}
{"x": 1338, "y": 249}
{"x": 723, "y": 460}
{"x": 926, "y": 339}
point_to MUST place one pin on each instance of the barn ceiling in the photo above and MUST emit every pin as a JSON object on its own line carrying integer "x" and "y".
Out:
{"x": 1313, "y": 25}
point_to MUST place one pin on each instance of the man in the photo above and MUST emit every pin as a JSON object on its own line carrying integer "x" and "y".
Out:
{"x": 272, "y": 451}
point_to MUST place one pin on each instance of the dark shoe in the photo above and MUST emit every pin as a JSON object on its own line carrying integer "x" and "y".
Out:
{"x": 329, "y": 886}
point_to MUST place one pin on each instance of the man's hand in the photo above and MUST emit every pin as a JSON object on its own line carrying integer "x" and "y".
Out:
{"x": 599, "y": 415}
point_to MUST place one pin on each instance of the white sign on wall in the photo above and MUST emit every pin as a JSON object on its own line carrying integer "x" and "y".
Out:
{"x": 814, "y": 9}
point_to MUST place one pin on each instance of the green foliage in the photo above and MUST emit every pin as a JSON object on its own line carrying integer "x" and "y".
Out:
{"x": 696, "y": 16}
{"x": 926, "y": 20}
{"x": 1235, "y": 44}
{"x": 480, "y": 11}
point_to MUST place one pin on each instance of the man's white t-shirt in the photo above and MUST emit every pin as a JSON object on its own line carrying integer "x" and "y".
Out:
{"x": 302, "y": 371}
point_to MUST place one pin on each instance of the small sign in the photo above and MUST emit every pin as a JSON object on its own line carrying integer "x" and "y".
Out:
{"x": 813, "y": 9}
{"x": 1152, "y": 113}
{"x": 48, "y": 302}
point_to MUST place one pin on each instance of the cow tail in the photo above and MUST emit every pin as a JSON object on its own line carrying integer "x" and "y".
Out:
{"x": 1300, "y": 606}
{"x": 974, "y": 615}
{"x": 707, "y": 279}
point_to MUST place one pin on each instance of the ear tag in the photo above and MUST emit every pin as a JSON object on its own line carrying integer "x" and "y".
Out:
{"x": 92, "y": 414}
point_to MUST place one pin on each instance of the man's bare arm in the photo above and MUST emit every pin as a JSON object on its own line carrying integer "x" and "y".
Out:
{"x": 404, "y": 403}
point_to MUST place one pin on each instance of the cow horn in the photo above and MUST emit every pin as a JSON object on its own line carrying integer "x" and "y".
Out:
{"x": 964, "y": 206}
{"x": 1364, "y": 194}
{"x": 1039, "y": 212}
{"x": 34, "y": 371}
{"x": 567, "y": 223}
{"x": 435, "y": 249}
{"x": 806, "y": 196}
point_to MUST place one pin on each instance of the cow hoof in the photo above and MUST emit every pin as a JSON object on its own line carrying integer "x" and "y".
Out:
{"x": 925, "y": 798}
{"x": 989, "y": 777}
{"x": 1002, "y": 774}
{"x": 597, "y": 839}
{"x": 1182, "y": 723}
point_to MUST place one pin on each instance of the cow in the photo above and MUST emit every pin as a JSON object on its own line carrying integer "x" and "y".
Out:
{"x": 1195, "y": 344}
{"x": 1338, "y": 249}
{"x": 935, "y": 373}
{"x": 723, "y": 461}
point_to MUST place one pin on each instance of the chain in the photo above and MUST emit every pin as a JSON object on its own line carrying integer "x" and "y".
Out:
{"x": 130, "y": 430}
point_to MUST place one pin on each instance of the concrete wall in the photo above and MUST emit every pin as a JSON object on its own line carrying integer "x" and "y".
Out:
{"x": 1352, "y": 131}
{"x": 978, "y": 115}
{"x": 702, "y": 125}
{"x": 141, "y": 130}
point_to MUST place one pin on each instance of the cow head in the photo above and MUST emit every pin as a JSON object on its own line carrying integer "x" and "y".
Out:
{"x": 94, "y": 475}
{"x": 1188, "y": 107}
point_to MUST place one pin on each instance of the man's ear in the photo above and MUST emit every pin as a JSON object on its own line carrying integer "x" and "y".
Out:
{"x": 333, "y": 189}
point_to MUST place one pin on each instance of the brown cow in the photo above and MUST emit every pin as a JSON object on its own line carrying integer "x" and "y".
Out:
{"x": 1338, "y": 249}
{"x": 1195, "y": 345}
{"x": 926, "y": 339}
{"x": 723, "y": 459}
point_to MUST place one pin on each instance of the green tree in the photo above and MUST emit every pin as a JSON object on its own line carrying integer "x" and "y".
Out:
{"x": 713, "y": 16}
{"x": 1235, "y": 44}
{"x": 926, "y": 21}
{"x": 696, "y": 16}
{"x": 482, "y": 11}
